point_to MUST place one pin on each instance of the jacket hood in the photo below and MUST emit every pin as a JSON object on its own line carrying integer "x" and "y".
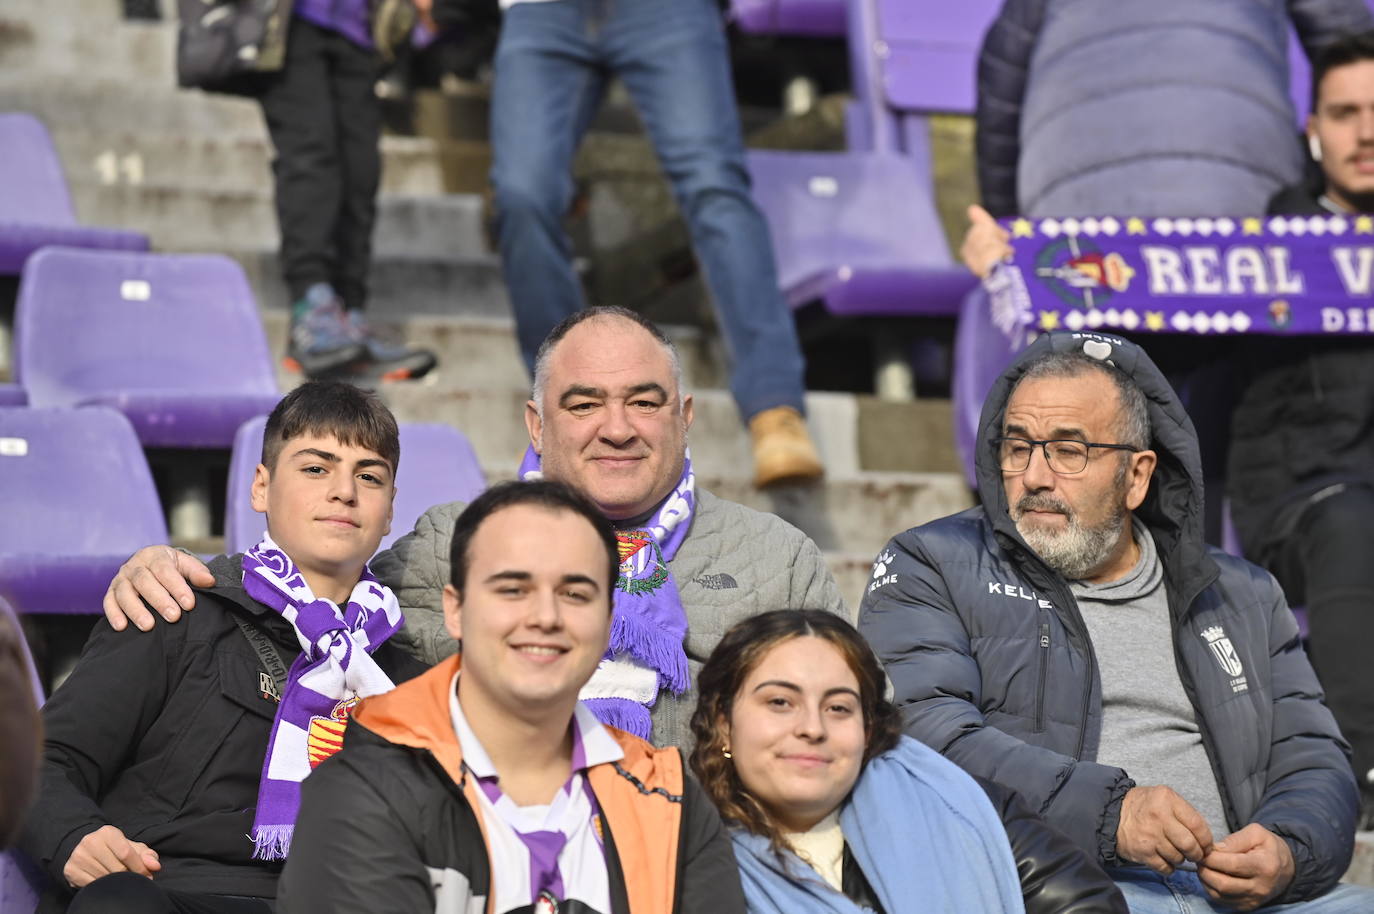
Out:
{"x": 1173, "y": 506}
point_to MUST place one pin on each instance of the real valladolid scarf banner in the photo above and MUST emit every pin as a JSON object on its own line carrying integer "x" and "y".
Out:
{"x": 648, "y": 624}
{"x": 1269, "y": 275}
{"x": 333, "y": 671}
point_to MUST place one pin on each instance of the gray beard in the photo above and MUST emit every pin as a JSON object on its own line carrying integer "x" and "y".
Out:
{"x": 1076, "y": 551}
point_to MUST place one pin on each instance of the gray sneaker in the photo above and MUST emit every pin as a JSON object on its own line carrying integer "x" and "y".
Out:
{"x": 390, "y": 361}
{"x": 321, "y": 342}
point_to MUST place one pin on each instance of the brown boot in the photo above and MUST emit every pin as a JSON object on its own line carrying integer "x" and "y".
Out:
{"x": 783, "y": 451}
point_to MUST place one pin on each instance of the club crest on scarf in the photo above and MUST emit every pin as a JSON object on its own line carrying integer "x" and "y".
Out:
{"x": 648, "y": 623}
{"x": 325, "y": 735}
{"x": 642, "y": 569}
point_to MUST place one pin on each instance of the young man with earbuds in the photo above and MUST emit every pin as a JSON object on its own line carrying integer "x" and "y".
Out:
{"x": 1300, "y": 473}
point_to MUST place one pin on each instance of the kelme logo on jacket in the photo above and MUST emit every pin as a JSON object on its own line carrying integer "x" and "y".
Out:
{"x": 1226, "y": 655}
{"x": 880, "y": 575}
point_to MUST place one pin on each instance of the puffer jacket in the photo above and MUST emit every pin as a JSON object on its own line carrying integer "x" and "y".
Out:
{"x": 735, "y": 562}
{"x": 1165, "y": 107}
{"x": 992, "y": 665}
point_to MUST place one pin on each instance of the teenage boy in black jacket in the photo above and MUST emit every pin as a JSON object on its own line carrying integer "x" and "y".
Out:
{"x": 173, "y": 757}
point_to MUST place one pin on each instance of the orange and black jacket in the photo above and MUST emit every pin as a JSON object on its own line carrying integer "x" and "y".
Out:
{"x": 392, "y": 822}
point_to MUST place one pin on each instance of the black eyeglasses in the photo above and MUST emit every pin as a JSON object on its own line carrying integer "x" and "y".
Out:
{"x": 1066, "y": 456}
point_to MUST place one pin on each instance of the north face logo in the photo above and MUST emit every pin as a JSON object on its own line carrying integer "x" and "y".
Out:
{"x": 717, "y": 582}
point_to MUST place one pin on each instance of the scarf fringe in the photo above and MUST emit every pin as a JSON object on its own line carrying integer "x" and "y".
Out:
{"x": 623, "y": 714}
{"x": 272, "y": 842}
{"x": 652, "y": 646}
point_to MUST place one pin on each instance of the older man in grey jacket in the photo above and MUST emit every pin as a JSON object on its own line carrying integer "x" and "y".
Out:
{"x": 607, "y": 416}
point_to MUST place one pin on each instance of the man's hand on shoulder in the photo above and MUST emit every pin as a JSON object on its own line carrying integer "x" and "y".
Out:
{"x": 159, "y": 576}
{"x": 1247, "y": 869}
{"x": 1160, "y": 829}
{"x": 104, "y": 851}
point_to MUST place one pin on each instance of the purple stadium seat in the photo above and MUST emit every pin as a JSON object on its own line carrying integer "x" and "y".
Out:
{"x": 810, "y": 18}
{"x": 78, "y": 498}
{"x": 858, "y": 231}
{"x": 437, "y": 465}
{"x": 20, "y": 882}
{"x": 931, "y": 57}
{"x": 13, "y": 395}
{"x": 839, "y": 239}
{"x": 982, "y": 352}
{"x": 35, "y": 208}
{"x": 172, "y": 341}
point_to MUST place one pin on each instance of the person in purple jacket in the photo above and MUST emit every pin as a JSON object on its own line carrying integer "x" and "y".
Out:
{"x": 325, "y": 120}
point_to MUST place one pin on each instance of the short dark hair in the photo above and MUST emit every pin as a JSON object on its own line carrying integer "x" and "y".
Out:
{"x": 734, "y": 658}
{"x": 553, "y": 496}
{"x": 602, "y": 312}
{"x": 1133, "y": 423}
{"x": 1352, "y": 47}
{"x": 354, "y": 416}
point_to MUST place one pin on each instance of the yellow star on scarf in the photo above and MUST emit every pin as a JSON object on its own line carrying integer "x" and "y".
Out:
{"x": 1364, "y": 225}
{"x": 1154, "y": 320}
{"x": 1135, "y": 226}
{"x": 1049, "y": 320}
{"x": 1022, "y": 228}
{"x": 1250, "y": 226}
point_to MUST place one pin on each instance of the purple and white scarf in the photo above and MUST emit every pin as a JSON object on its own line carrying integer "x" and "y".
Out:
{"x": 322, "y": 686}
{"x": 648, "y": 624}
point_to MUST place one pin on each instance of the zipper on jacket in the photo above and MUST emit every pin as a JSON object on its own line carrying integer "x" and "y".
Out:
{"x": 1042, "y": 670}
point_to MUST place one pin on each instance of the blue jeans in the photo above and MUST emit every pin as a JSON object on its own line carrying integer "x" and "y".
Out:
{"x": 1148, "y": 892}
{"x": 552, "y": 66}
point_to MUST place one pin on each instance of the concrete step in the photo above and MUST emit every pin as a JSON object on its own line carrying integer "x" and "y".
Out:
{"x": 480, "y": 353}
{"x": 410, "y": 165}
{"x": 94, "y": 14}
{"x": 852, "y": 510}
{"x": 853, "y": 514}
{"x": 210, "y": 218}
{"x": 402, "y": 286}
{"x": 40, "y": 42}
{"x": 852, "y": 572}
{"x": 98, "y": 103}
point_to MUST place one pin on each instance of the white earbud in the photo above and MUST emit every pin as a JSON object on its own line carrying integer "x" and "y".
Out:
{"x": 1314, "y": 146}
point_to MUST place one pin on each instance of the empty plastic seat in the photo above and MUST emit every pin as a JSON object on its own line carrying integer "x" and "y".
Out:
{"x": 173, "y": 341}
{"x": 928, "y": 59}
{"x": 20, "y": 879}
{"x": 858, "y": 231}
{"x": 438, "y": 465}
{"x": 35, "y": 208}
{"x": 78, "y": 500}
{"x": 840, "y": 236}
{"x": 811, "y": 18}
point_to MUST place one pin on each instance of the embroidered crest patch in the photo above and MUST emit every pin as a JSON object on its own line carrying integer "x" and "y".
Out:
{"x": 325, "y": 736}
{"x": 642, "y": 569}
